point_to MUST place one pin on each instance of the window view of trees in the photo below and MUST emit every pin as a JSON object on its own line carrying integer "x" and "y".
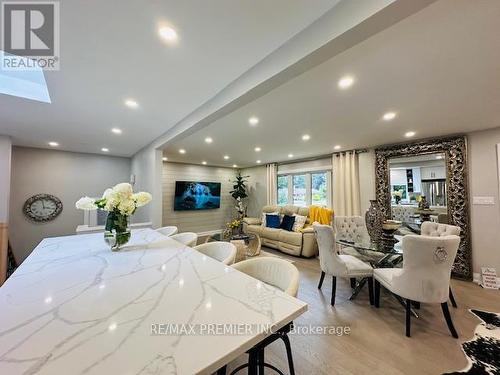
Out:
{"x": 304, "y": 189}
{"x": 319, "y": 189}
{"x": 282, "y": 190}
{"x": 299, "y": 190}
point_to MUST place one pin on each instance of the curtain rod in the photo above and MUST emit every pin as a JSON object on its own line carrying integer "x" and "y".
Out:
{"x": 319, "y": 157}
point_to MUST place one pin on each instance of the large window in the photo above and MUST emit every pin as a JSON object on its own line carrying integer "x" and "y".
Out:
{"x": 304, "y": 189}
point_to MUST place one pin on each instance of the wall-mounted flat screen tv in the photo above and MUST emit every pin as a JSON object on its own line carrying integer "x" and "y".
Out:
{"x": 190, "y": 195}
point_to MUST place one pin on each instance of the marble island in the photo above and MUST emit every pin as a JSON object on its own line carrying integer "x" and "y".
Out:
{"x": 75, "y": 307}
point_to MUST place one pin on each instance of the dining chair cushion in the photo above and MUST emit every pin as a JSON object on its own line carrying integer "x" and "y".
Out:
{"x": 273, "y": 271}
{"x": 356, "y": 267}
{"x": 168, "y": 231}
{"x": 224, "y": 252}
{"x": 187, "y": 238}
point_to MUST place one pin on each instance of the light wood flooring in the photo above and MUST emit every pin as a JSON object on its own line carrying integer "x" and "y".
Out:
{"x": 377, "y": 343}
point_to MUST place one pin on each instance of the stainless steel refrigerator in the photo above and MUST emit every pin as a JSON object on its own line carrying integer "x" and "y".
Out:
{"x": 435, "y": 191}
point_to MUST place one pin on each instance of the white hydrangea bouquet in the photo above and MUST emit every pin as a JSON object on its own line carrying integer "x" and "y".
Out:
{"x": 120, "y": 202}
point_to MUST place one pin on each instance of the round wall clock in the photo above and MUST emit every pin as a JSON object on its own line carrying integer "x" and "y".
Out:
{"x": 42, "y": 208}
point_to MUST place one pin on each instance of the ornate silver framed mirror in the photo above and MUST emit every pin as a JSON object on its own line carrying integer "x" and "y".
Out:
{"x": 454, "y": 207}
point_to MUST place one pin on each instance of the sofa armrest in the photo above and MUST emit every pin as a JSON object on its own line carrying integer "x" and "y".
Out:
{"x": 252, "y": 220}
{"x": 307, "y": 229}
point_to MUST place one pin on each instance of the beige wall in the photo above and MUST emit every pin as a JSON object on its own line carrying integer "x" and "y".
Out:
{"x": 5, "y": 160}
{"x": 66, "y": 175}
{"x": 483, "y": 181}
{"x": 257, "y": 194}
{"x": 146, "y": 166}
{"x": 202, "y": 220}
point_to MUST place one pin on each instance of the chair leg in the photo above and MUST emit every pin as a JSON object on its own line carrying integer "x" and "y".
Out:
{"x": 370, "y": 290}
{"x": 261, "y": 361}
{"x": 334, "y": 289}
{"x": 353, "y": 282}
{"x": 377, "y": 294}
{"x": 447, "y": 317}
{"x": 288, "y": 347}
{"x": 222, "y": 371}
{"x": 322, "y": 277}
{"x": 452, "y": 298}
{"x": 408, "y": 317}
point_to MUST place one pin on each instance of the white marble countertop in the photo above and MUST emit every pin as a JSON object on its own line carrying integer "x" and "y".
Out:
{"x": 75, "y": 307}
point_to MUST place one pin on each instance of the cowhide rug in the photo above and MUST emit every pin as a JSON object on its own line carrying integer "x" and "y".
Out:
{"x": 483, "y": 351}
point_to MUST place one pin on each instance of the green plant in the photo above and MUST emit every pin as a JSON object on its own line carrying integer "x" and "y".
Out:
{"x": 239, "y": 187}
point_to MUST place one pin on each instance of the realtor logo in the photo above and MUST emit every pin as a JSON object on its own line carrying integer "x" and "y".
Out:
{"x": 30, "y": 30}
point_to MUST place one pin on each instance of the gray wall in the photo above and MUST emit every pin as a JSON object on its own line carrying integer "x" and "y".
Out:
{"x": 66, "y": 175}
{"x": 197, "y": 221}
{"x": 483, "y": 181}
{"x": 257, "y": 186}
{"x": 5, "y": 160}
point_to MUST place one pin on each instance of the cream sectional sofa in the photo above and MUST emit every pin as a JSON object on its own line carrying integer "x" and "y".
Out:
{"x": 301, "y": 243}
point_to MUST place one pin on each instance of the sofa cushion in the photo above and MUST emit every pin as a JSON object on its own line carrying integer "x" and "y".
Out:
{"x": 292, "y": 238}
{"x": 271, "y": 233}
{"x": 272, "y": 221}
{"x": 289, "y": 210}
{"x": 287, "y": 223}
{"x": 299, "y": 223}
{"x": 303, "y": 211}
{"x": 269, "y": 209}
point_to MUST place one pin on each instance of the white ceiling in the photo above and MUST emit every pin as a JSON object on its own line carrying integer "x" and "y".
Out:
{"x": 439, "y": 69}
{"x": 110, "y": 51}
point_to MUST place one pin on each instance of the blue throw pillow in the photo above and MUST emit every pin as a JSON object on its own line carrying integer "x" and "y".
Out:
{"x": 287, "y": 222}
{"x": 272, "y": 221}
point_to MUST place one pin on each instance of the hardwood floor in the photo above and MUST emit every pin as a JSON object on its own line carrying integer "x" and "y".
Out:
{"x": 377, "y": 343}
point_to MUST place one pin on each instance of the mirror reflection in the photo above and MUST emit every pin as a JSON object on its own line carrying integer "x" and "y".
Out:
{"x": 418, "y": 189}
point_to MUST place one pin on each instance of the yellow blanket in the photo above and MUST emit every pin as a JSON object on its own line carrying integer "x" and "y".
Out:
{"x": 320, "y": 214}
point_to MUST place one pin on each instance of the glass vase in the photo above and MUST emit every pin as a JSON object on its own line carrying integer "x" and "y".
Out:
{"x": 117, "y": 231}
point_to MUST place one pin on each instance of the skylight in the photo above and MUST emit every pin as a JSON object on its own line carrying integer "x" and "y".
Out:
{"x": 28, "y": 84}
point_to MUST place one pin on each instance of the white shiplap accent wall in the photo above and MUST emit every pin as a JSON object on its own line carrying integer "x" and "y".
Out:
{"x": 202, "y": 220}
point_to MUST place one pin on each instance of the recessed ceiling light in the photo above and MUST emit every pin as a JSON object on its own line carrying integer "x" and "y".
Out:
{"x": 164, "y": 158}
{"x": 257, "y": 149}
{"x": 290, "y": 155}
{"x": 253, "y": 121}
{"x": 105, "y": 149}
{"x": 226, "y": 157}
{"x": 306, "y": 137}
{"x": 204, "y": 162}
{"x": 389, "y": 116}
{"x": 345, "y": 82}
{"x": 208, "y": 140}
{"x": 131, "y": 103}
{"x": 409, "y": 134}
{"x": 235, "y": 166}
{"x": 168, "y": 34}
{"x": 53, "y": 144}
{"x": 337, "y": 147}
{"x": 116, "y": 130}
{"x": 182, "y": 151}
{"x": 258, "y": 161}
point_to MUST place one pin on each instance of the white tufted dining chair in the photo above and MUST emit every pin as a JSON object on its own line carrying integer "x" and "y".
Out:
{"x": 224, "y": 252}
{"x": 284, "y": 276}
{"x": 187, "y": 238}
{"x": 425, "y": 276}
{"x": 336, "y": 265}
{"x": 168, "y": 231}
{"x": 431, "y": 229}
